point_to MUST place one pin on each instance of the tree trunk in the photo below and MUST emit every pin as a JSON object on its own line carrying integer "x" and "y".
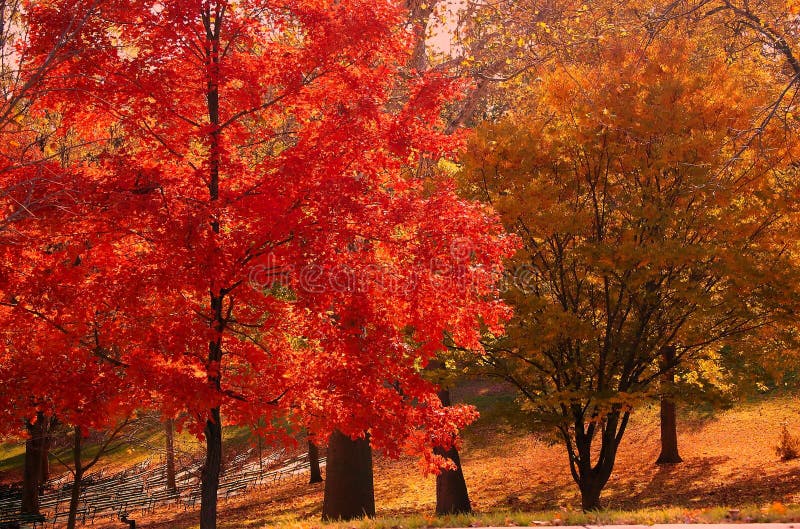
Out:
{"x": 47, "y": 440}
{"x": 669, "y": 423}
{"x": 169, "y": 429}
{"x": 213, "y": 465}
{"x": 78, "y": 478}
{"x": 452, "y": 496}
{"x": 32, "y": 468}
{"x": 37, "y": 464}
{"x": 349, "y": 491}
{"x": 592, "y": 479}
{"x": 211, "y": 471}
{"x": 313, "y": 460}
{"x": 260, "y": 454}
{"x": 591, "y": 487}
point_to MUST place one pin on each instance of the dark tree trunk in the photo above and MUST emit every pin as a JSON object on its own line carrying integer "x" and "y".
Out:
{"x": 32, "y": 469}
{"x": 260, "y": 452}
{"x": 37, "y": 464}
{"x": 591, "y": 479}
{"x": 169, "y": 429}
{"x": 349, "y": 491}
{"x": 211, "y": 472}
{"x": 213, "y": 465}
{"x": 669, "y": 434}
{"x": 591, "y": 487}
{"x": 75, "y": 496}
{"x": 47, "y": 440}
{"x": 313, "y": 461}
{"x": 452, "y": 496}
{"x": 74, "y": 501}
{"x": 669, "y": 423}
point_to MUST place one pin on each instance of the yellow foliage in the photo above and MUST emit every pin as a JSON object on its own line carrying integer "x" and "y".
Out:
{"x": 647, "y": 221}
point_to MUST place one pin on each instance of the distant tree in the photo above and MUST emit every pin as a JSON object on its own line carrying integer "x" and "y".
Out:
{"x": 78, "y": 466}
{"x": 762, "y": 33}
{"x": 169, "y": 455}
{"x": 640, "y": 231}
{"x": 313, "y": 463}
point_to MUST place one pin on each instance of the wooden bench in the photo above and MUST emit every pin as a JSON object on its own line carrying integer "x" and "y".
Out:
{"x": 17, "y": 521}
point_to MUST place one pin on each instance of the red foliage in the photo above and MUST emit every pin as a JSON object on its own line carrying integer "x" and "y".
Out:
{"x": 247, "y": 184}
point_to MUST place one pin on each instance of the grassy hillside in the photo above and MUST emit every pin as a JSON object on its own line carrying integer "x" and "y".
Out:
{"x": 729, "y": 461}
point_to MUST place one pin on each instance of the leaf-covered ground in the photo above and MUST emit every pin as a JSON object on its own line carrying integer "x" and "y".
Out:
{"x": 729, "y": 462}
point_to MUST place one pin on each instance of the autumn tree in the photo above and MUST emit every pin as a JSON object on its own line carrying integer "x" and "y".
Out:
{"x": 34, "y": 184}
{"x": 287, "y": 265}
{"x": 57, "y": 307}
{"x": 478, "y": 44}
{"x": 760, "y": 34}
{"x": 80, "y": 387}
{"x": 30, "y": 176}
{"x": 640, "y": 232}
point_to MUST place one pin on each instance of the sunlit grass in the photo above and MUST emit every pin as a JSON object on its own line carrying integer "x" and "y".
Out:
{"x": 749, "y": 514}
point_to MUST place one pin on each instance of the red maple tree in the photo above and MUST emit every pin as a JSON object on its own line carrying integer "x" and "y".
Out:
{"x": 253, "y": 234}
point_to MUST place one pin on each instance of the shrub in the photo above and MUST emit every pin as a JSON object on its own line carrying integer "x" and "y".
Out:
{"x": 789, "y": 445}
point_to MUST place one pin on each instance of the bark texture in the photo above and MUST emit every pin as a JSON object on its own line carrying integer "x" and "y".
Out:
{"x": 669, "y": 422}
{"x": 169, "y": 430}
{"x": 211, "y": 472}
{"x": 36, "y": 470}
{"x": 349, "y": 490}
{"x": 313, "y": 461}
{"x": 452, "y": 496}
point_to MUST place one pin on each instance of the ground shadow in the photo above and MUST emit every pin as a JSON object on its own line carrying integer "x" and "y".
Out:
{"x": 693, "y": 484}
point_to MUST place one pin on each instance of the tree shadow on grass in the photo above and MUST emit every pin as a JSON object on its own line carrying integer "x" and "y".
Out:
{"x": 290, "y": 500}
{"x": 693, "y": 484}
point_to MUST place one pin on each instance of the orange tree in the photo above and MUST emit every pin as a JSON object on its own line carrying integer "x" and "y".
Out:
{"x": 640, "y": 232}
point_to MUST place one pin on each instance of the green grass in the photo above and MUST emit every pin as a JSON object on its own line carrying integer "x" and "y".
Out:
{"x": 120, "y": 453}
{"x": 12, "y": 456}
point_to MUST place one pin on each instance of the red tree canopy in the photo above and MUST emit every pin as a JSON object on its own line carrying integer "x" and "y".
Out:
{"x": 253, "y": 231}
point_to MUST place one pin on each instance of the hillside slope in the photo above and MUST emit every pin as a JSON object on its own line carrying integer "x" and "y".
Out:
{"x": 729, "y": 460}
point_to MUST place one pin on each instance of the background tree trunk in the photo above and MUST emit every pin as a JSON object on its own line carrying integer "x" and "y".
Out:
{"x": 349, "y": 490}
{"x": 36, "y": 470}
{"x": 75, "y": 496}
{"x": 169, "y": 429}
{"x": 669, "y": 423}
{"x": 313, "y": 461}
{"x": 47, "y": 440}
{"x": 452, "y": 496}
{"x": 32, "y": 472}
